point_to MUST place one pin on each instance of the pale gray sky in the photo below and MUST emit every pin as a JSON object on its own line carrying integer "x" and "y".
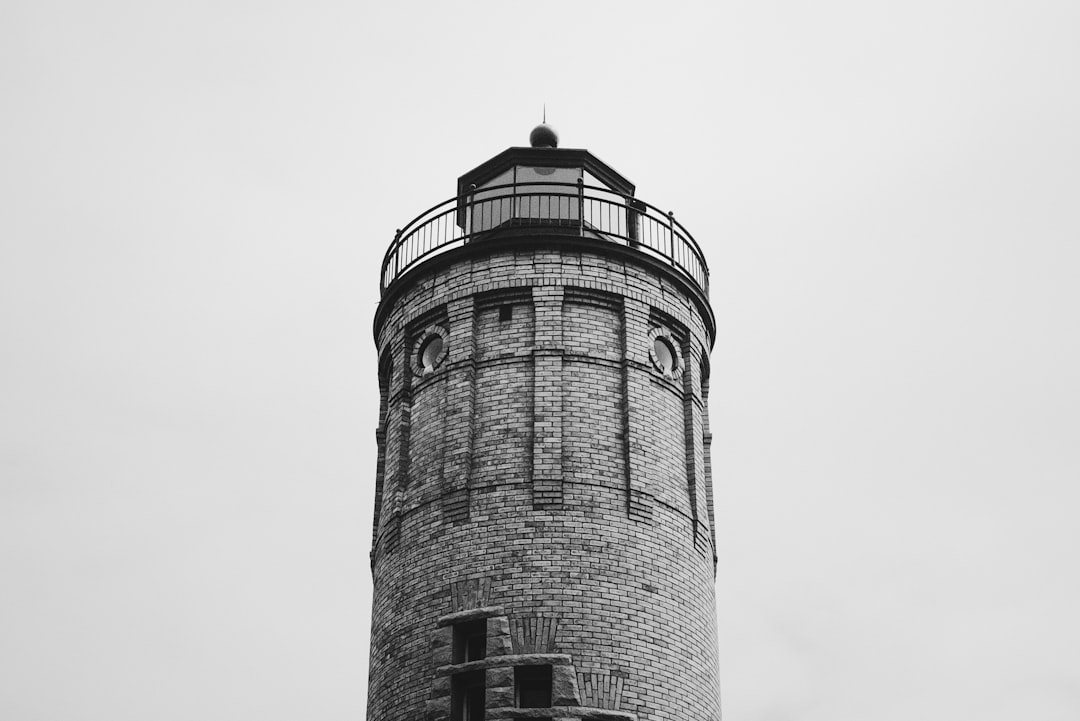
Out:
{"x": 194, "y": 200}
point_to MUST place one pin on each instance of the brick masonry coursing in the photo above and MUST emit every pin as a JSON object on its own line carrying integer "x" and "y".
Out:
{"x": 547, "y": 467}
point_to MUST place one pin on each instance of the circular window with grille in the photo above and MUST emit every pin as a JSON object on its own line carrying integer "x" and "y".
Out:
{"x": 430, "y": 350}
{"x": 664, "y": 353}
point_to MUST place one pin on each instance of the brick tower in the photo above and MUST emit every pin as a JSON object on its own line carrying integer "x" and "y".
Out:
{"x": 543, "y": 544}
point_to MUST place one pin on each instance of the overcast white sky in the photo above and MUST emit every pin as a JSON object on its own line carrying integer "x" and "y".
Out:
{"x": 194, "y": 200}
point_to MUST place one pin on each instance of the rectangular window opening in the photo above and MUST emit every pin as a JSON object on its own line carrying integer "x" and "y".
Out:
{"x": 468, "y": 698}
{"x": 532, "y": 686}
{"x": 470, "y": 641}
{"x": 506, "y": 312}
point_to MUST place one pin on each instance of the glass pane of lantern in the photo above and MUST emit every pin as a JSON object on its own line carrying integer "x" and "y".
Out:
{"x": 547, "y": 202}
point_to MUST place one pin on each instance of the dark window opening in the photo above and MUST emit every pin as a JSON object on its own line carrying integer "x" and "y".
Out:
{"x": 506, "y": 312}
{"x": 470, "y": 641}
{"x": 467, "y": 697}
{"x": 532, "y": 686}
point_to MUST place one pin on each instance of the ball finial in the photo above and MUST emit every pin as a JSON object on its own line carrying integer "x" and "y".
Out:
{"x": 543, "y": 136}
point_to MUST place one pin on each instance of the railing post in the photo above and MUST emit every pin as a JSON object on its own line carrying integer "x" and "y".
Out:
{"x": 469, "y": 211}
{"x": 397, "y": 251}
{"x": 671, "y": 230}
{"x": 634, "y": 210}
{"x": 581, "y": 207}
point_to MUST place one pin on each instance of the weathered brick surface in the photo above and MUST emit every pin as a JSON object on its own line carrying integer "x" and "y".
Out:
{"x": 546, "y": 469}
{"x": 503, "y": 425}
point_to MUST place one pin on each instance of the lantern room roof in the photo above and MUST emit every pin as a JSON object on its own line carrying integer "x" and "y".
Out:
{"x": 545, "y": 158}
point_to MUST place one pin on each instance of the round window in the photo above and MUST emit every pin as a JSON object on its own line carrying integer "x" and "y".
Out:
{"x": 430, "y": 352}
{"x": 664, "y": 355}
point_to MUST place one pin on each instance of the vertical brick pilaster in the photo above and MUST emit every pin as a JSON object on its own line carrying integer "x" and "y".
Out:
{"x": 706, "y": 454}
{"x": 386, "y": 365}
{"x": 404, "y": 423}
{"x": 695, "y": 458}
{"x": 380, "y": 476}
{"x": 396, "y": 457}
{"x": 639, "y": 494}
{"x": 547, "y": 470}
{"x": 458, "y": 425}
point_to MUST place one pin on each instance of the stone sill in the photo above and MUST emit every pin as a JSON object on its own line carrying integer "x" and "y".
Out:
{"x": 519, "y": 659}
{"x": 561, "y": 713}
{"x": 473, "y": 614}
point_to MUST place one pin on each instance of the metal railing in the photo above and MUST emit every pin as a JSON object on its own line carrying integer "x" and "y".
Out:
{"x": 575, "y": 209}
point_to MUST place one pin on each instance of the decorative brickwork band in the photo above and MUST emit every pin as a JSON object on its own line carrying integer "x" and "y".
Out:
{"x": 601, "y": 690}
{"x": 469, "y": 593}
{"x": 534, "y": 633}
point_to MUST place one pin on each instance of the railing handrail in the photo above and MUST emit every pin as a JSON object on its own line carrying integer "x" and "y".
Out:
{"x": 434, "y": 221}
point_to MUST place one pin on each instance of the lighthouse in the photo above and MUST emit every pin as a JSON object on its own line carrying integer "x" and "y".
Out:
{"x": 543, "y": 542}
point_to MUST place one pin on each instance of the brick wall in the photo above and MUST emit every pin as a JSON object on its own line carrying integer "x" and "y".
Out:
{"x": 548, "y": 469}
